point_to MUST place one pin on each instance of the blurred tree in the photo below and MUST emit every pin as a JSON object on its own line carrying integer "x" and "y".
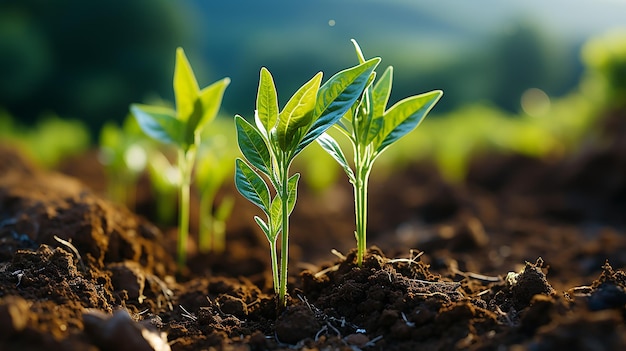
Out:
{"x": 86, "y": 59}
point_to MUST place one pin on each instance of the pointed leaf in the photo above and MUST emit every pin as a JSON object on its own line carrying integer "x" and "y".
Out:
{"x": 266, "y": 229}
{"x": 158, "y": 122}
{"x": 298, "y": 112}
{"x": 336, "y": 97}
{"x": 331, "y": 146}
{"x": 252, "y": 145}
{"x": 266, "y": 102}
{"x": 292, "y": 185}
{"x": 186, "y": 88}
{"x": 251, "y": 185}
{"x": 405, "y": 116}
{"x": 211, "y": 100}
{"x": 359, "y": 53}
{"x": 276, "y": 215}
{"x": 381, "y": 92}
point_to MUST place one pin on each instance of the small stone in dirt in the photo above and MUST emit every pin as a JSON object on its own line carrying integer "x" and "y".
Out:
{"x": 295, "y": 324}
{"x": 528, "y": 283}
{"x": 118, "y": 332}
{"x": 358, "y": 340}
{"x": 232, "y": 305}
{"x": 14, "y": 314}
{"x": 128, "y": 276}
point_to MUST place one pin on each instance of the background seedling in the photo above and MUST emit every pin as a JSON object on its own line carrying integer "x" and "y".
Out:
{"x": 270, "y": 145}
{"x": 123, "y": 153}
{"x": 164, "y": 180}
{"x": 215, "y": 165}
{"x": 371, "y": 128}
{"x": 195, "y": 108}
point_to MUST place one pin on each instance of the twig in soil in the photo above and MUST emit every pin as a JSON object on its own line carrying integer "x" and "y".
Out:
{"x": 167, "y": 293}
{"x": 580, "y": 291}
{"x": 19, "y": 273}
{"x": 74, "y": 250}
{"x": 409, "y": 323}
{"x": 324, "y": 271}
{"x": 412, "y": 259}
{"x": 338, "y": 254}
{"x": 187, "y": 314}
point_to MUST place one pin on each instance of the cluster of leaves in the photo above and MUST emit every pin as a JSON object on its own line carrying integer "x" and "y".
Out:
{"x": 274, "y": 140}
{"x": 371, "y": 128}
{"x": 51, "y": 140}
{"x": 183, "y": 128}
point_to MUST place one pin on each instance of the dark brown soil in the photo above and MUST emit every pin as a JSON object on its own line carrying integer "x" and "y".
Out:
{"x": 526, "y": 255}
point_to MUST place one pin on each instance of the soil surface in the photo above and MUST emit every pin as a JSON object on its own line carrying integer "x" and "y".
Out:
{"x": 527, "y": 254}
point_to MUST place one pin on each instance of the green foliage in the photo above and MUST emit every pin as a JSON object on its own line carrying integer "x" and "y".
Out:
{"x": 274, "y": 140}
{"x": 182, "y": 127}
{"x": 123, "y": 153}
{"x": 606, "y": 58}
{"x": 48, "y": 142}
{"x": 215, "y": 164}
{"x": 165, "y": 181}
{"x": 371, "y": 128}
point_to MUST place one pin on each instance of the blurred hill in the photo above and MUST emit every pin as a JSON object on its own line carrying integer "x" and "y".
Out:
{"x": 90, "y": 60}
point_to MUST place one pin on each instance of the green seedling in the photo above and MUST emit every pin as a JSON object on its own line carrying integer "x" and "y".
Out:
{"x": 182, "y": 127}
{"x": 270, "y": 145}
{"x": 215, "y": 165}
{"x": 165, "y": 181}
{"x": 123, "y": 155}
{"x": 371, "y": 129}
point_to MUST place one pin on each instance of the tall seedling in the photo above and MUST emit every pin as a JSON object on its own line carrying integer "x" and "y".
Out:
{"x": 276, "y": 138}
{"x": 182, "y": 127}
{"x": 371, "y": 129}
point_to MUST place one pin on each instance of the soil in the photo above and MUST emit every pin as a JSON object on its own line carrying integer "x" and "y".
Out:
{"x": 527, "y": 254}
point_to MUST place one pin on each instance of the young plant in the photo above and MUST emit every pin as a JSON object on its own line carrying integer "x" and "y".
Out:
{"x": 371, "y": 129}
{"x": 276, "y": 138}
{"x": 195, "y": 108}
{"x": 123, "y": 155}
{"x": 164, "y": 181}
{"x": 215, "y": 164}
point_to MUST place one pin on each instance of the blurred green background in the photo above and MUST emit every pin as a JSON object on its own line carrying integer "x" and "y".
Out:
{"x": 495, "y": 60}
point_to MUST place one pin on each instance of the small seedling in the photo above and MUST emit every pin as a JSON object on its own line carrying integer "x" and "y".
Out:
{"x": 123, "y": 155}
{"x": 165, "y": 182}
{"x": 270, "y": 145}
{"x": 182, "y": 127}
{"x": 215, "y": 165}
{"x": 371, "y": 129}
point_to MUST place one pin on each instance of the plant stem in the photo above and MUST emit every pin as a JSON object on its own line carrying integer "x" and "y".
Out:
{"x": 185, "y": 164}
{"x": 363, "y": 168}
{"x": 274, "y": 267}
{"x": 206, "y": 239}
{"x": 284, "y": 249}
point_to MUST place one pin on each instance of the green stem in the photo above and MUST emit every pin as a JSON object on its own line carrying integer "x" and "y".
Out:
{"x": 284, "y": 250}
{"x": 274, "y": 266}
{"x": 360, "y": 201}
{"x": 185, "y": 164}
{"x": 205, "y": 242}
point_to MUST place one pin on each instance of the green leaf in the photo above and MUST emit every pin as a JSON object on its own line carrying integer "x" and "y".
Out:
{"x": 330, "y": 145}
{"x": 292, "y": 185}
{"x": 266, "y": 229}
{"x": 297, "y": 113}
{"x": 159, "y": 123}
{"x": 405, "y": 116}
{"x": 186, "y": 88}
{"x": 276, "y": 215}
{"x": 253, "y": 146}
{"x": 381, "y": 92}
{"x": 336, "y": 97}
{"x": 210, "y": 102}
{"x": 251, "y": 185}
{"x": 266, "y": 102}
